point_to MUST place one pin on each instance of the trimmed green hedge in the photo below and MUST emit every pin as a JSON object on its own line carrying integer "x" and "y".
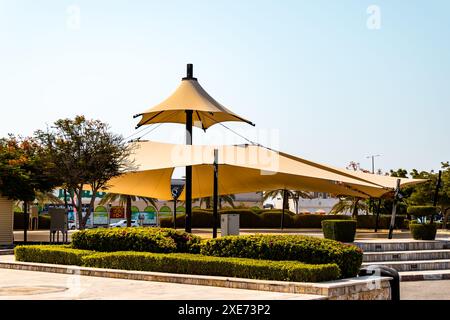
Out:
{"x": 423, "y": 231}
{"x": 136, "y": 239}
{"x": 421, "y": 211}
{"x": 250, "y": 218}
{"x": 287, "y": 247}
{"x": 369, "y": 221}
{"x": 50, "y": 254}
{"x": 214, "y": 266}
{"x": 315, "y": 220}
{"x": 184, "y": 263}
{"x": 340, "y": 230}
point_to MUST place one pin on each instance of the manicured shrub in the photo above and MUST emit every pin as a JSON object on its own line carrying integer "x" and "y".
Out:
{"x": 287, "y": 247}
{"x": 421, "y": 211}
{"x": 340, "y": 230}
{"x": 423, "y": 231}
{"x": 181, "y": 263}
{"x": 214, "y": 266}
{"x": 137, "y": 239}
{"x": 50, "y": 254}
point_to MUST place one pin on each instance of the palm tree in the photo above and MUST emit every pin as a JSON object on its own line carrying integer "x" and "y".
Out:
{"x": 286, "y": 195}
{"x": 346, "y": 204}
{"x": 296, "y": 196}
{"x": 47, "y": 197}
{"x": 224, "y": 198}
{"x": 126, "y": 199}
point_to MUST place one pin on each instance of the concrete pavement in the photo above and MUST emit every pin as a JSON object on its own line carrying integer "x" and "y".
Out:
{"x": 30, "y": 285}
{"x": 425, "y": 290}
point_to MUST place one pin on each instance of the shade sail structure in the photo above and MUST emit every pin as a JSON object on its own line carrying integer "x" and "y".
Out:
{"x": 190, "y": 95}
{"x": 244, "y": 168}
{"x": 381, "y": 180}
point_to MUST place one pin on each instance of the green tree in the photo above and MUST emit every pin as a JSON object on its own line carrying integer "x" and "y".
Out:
{"x": 25, "y": 171}
{"x": 424, "y": 193}
{"x": 295, "y": 195}
{"x": 349, "y": 204}
{"x": 127, "y": 201}
{"x": 85, "y": 153}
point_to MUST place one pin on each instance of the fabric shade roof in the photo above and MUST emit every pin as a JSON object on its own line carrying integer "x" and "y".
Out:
{"x": 244, "y": 168}
{"x": 189, "y": 96}
{"x": 381, "y": 180}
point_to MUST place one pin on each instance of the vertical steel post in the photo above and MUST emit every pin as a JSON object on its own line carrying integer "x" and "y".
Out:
{"x": 174, "y": 213}
{"x": 378, "y": 215}
{"x": 188, "y": 227}
{"x": 215, "y": 192}
{"x": 282, "y": 211}
{"x": 394, "y": 210}
{"x": 25, "y": 221}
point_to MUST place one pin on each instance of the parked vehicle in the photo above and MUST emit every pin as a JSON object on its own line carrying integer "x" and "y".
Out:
{"x": 123, "y": 224}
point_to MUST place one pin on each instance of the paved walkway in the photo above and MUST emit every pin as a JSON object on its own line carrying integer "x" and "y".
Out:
{"x": 25, "y": 285}
{"x": 425, "y": 290}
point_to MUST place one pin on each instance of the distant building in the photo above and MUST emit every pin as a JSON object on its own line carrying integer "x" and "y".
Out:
{"x": 320, "y": 203}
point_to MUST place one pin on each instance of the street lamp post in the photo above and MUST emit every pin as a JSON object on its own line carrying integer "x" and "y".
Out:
{"x": 373, "y": 172}
{"x": 373, "y": 160}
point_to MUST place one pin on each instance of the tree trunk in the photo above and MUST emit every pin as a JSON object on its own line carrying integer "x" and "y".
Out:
{"x": 355, "y": 209}
{"x": 25, "y": 221}
{"x": 90, "y": 209}
{"x": 128, "y": 211}
{"x": 444, "y": 222}
{"x": 282, "y": 212}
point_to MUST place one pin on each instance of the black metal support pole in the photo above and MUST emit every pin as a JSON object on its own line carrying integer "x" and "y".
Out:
{"x": 25, "y": 221}
{"x": 174, "y": 213}
{"x": 188, "y": 227}
{"x": 436, "y": 193}
{"x": 215, "y": 192}
{"x": 378, "y": 215}
{"x": 282, "y": 211}
{"x": 394, "y": 210}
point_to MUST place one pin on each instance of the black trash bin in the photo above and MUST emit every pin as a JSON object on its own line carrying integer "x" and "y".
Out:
{"x": 385, "y": 271}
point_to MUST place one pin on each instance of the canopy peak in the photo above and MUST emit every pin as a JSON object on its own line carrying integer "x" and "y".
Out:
{"x": 189, "y": 72}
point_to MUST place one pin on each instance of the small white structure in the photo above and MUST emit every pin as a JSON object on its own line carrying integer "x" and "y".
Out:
{"x": 229, "y": 224}
{"x": 6, "y": 222}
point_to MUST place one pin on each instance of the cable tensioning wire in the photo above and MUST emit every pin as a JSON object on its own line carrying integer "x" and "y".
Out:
{"x": 150, "y": 128}
{"x": 243, "y": 137}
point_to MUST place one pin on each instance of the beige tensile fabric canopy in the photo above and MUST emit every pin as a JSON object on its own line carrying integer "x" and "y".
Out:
{"x": 189, "y": 96}
{"x": 245, "y": 168}
{"x": 381, "y": 180}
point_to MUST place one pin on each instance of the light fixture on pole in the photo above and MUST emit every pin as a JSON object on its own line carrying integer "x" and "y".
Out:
{"x": 373, "y": 160}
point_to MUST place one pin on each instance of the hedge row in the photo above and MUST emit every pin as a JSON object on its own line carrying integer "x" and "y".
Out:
{"x": 43, "y": 221}
{"x": 62, "y": 254}
{"x": 384, "y": 221}
{"x": 272, "y": 219}
{"x": 182, "y": 263}
{"x": 340, "y": 230}
{"x": 135, "y": 239}
{"x": 287, "y": 247}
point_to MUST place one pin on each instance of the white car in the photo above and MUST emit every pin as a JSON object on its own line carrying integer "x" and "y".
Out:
{"x": 123, "y": 224}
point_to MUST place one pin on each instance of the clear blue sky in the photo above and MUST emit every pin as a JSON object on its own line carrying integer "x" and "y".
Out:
{"x": 332, "y": 88}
